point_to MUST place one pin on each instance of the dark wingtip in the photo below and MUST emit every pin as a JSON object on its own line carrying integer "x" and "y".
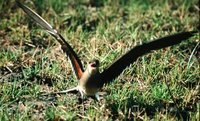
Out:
{"x": 18, "y": 3}
{"x": 194, "y": 32}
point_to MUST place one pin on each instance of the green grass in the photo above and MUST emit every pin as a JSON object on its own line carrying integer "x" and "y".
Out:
{"x": 31, "y": 60}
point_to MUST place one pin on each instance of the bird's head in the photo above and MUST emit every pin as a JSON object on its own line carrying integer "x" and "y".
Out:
{"x": 93, "y": 66}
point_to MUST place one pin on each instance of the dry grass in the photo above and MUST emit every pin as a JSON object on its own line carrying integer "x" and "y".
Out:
{"x": 31, "y": 60}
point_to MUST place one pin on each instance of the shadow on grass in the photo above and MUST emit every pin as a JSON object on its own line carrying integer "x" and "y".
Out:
{"x": 151, "y": 110}
{"x": 6, "y": 75}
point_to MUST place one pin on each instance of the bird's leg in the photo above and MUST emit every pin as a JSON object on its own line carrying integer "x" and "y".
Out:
{"x": 82, "y": 94}
{"x": 97, "y": 96}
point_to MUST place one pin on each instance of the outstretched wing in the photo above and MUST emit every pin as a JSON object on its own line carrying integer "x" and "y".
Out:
{"x": 75, "y": 61}
{"x": 120, "y": 64}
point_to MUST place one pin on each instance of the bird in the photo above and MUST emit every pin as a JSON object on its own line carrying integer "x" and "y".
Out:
{"x": 91, "y": 80}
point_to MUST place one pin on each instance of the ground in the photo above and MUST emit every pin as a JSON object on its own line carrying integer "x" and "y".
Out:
{"x": 162, "y": 85}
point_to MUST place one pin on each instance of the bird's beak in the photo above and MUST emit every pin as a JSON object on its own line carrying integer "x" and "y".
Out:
{"x": 93, "y": 67}
{"x": 94, "y": 64}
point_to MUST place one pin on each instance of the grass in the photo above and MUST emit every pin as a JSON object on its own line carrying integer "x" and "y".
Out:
{"x": 31, "y": 60}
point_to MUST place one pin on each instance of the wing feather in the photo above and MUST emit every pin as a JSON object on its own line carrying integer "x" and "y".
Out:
{"x": 75, "y": 61}
{"x": 120, "y": 64}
